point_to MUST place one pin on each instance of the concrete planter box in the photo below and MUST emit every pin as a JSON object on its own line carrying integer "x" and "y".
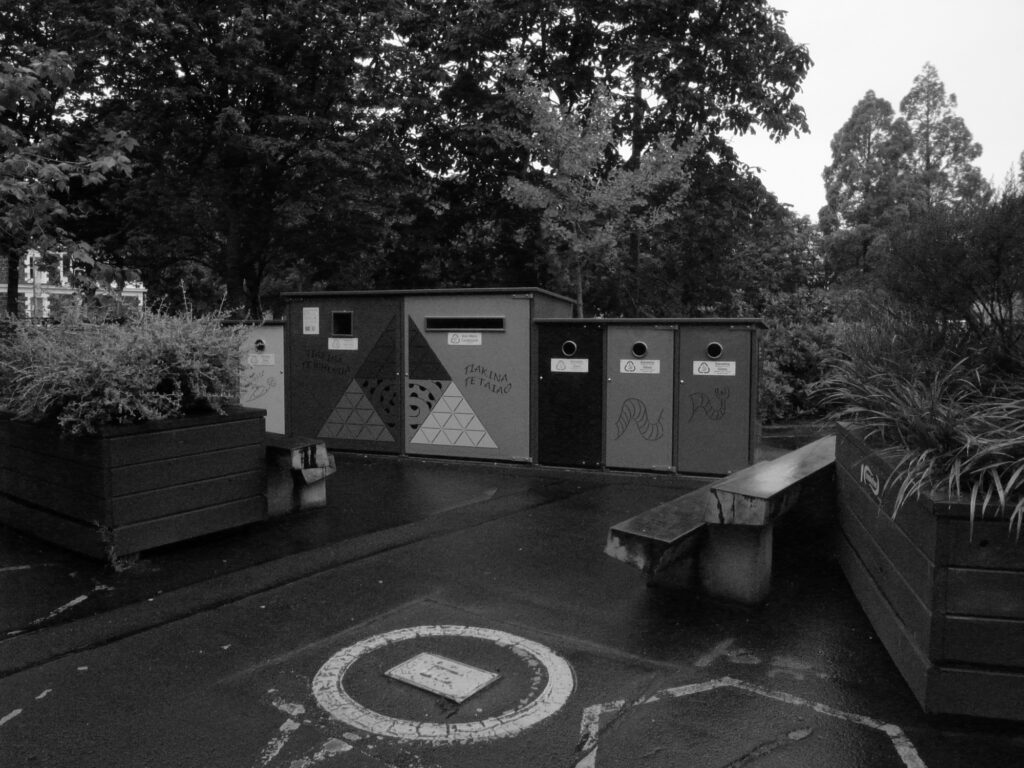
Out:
{"x": 134, "y": 487}
{"x": 948, "y": 606}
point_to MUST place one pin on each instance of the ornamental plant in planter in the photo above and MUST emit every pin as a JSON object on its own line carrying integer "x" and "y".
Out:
{"x": 930, "y": 474}
{"x": 120, "y": 436}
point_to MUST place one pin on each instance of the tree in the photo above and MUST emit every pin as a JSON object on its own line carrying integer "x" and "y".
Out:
{"x": 943, "y": 150}
{"x": 45, "y": 156}
{"x": 864, "y": 184}
{"x": 587, "y": 214}
{"x": 267, "y": 149}
{"x": 680, "y": 71}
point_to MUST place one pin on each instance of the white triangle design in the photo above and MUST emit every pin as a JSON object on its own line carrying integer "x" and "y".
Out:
{"x": 355, "y": 418}
{"x": 453, "y": 422}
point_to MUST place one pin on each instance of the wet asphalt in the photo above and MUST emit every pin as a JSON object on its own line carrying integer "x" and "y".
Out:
{"x": 277, "y": 645}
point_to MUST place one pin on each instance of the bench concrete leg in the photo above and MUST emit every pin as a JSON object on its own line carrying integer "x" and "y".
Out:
{"x": 736, "y": 563}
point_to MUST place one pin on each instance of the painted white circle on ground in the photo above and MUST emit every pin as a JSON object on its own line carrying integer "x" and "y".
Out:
{"x": 330, "y": 693}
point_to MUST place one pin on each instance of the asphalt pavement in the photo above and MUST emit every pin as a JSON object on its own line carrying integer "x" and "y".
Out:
{"x": 450, "y": 614}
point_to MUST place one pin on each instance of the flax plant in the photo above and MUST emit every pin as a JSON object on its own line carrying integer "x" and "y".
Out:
{"x": 952, "y": 426}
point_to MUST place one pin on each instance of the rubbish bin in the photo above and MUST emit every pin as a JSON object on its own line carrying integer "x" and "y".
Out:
{"x": 262, "y": 383}
{"x": 640, "y": 414}
{"x": 468, "y": 371}
{"x": 343, "y": 369}
{"x": 570, "y": 392}
{"x": 717, "y": 395}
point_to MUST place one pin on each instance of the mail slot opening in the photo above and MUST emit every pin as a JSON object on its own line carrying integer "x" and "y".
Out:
{"x": 569, "y": 348}
{"x": 465, "y": 323}
{"x": 639, "y": 349}
{"x": 714, "y": 350}
{"x": 341, "y": 323}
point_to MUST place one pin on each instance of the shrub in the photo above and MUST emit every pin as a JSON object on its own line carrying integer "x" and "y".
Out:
{"x": 922, "y": 391}
{"x": 83, "y": 371}
{"x": 798, "y": 340}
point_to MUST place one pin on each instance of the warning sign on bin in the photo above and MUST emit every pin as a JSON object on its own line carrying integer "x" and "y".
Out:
{"x": 714, "y": 367}
{"x": 639, "y": 366}
{"x": 569, "y": 365}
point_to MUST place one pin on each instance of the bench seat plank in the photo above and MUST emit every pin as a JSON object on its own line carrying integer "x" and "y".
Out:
{"x": 654, "y": 539}
{"x": 760, "y": 493}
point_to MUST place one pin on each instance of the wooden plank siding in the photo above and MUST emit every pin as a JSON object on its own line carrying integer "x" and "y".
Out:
{"x": 136, "y": 486}
{"x": 945, "y": 596}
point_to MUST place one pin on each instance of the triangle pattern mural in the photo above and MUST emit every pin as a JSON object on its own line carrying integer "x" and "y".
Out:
{"x": 452, "y": 422}
{"x": 423, "y": 363}
{"x": 382, "y": 362}
{"x": 355, "y": 418}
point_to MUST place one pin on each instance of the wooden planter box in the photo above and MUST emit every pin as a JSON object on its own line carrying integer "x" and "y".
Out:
{"x": 133, "y": 487}
{"x": 948, "y": 606}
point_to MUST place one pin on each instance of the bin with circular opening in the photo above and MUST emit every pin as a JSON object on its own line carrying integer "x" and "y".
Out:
{"x": 640, "y": 413}
{"x": 716, "y": 419}
{"x": 570, "y": 393}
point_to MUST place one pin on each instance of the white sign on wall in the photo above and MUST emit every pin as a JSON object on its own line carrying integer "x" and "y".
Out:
{"x": 570, "y": 365}
{"x": 639, "y": 366}
{"x": 349, "y": 345}
{"x": 465, "y": 339}
{"x": 311, "y": 321}
{"x": 714, "y": 367}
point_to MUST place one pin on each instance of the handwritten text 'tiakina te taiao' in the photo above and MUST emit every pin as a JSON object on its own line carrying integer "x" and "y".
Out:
{"x": 480, "y": 376}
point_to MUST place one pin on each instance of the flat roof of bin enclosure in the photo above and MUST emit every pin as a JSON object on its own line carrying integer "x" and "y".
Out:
{"x": 398, "y": 292}
{"x": 756, "y": 322}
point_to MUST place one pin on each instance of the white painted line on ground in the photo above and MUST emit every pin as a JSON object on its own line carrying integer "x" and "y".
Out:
{"x": 329, "y": 689}
{"x": 590, "y": 724}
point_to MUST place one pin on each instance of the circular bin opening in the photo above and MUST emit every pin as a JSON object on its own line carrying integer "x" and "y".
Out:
{"x": 569, "y": 348}
{"x": 639, "y": 349}
{"x": 714, "y": 350}
{"x": 260, "y": 345}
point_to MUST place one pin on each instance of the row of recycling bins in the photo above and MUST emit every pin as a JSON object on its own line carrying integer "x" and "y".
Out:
{"x": 509, "y": 375}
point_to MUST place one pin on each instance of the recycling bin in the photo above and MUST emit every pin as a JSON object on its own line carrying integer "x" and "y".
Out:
{"x": 570, "y": 392}
{"x": 640, "y": 395}
{"x": 262, "y": 384}
{"x": 716, "y": 411}
{"x": 422, "y": 372}
{"x": 468, "y": 375}
{"x": 344, "y": 370}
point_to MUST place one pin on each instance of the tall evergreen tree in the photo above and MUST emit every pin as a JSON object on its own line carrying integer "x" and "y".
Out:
{"x": 943, "y": 150}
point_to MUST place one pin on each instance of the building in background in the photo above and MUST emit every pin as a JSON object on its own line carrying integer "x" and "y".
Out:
{"x": 42, "y": 289}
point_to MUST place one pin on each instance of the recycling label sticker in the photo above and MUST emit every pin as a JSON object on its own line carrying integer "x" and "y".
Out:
{"x": 639, "y": 366}
{"x": 465, "y": 339}
{"x": 570, "y": 365}
{"x": 714, "y": 367}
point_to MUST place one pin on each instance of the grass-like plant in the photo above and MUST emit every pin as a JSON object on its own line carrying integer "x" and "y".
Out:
{"x": 84, "y": 371}
{"x": 950, "y": 423}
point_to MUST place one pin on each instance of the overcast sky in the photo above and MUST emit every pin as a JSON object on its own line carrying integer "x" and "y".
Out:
{"x": 977, "y": 46}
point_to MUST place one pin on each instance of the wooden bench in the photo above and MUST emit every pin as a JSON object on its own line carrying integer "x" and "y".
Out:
{"x": 719, "y": 537}
{"x": 297, "y": 472}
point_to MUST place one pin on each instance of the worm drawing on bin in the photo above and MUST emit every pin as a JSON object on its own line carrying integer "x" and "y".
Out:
{"x": 634, "y": 411}
{"x": 714, "y": 408}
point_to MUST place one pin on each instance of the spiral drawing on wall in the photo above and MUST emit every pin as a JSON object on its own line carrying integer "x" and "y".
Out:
{"x": 634, "y": 411}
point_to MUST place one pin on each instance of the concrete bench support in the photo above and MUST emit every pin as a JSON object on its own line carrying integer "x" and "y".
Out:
{"x": 297, "y": 472}
{"x": 741, "y": 511}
